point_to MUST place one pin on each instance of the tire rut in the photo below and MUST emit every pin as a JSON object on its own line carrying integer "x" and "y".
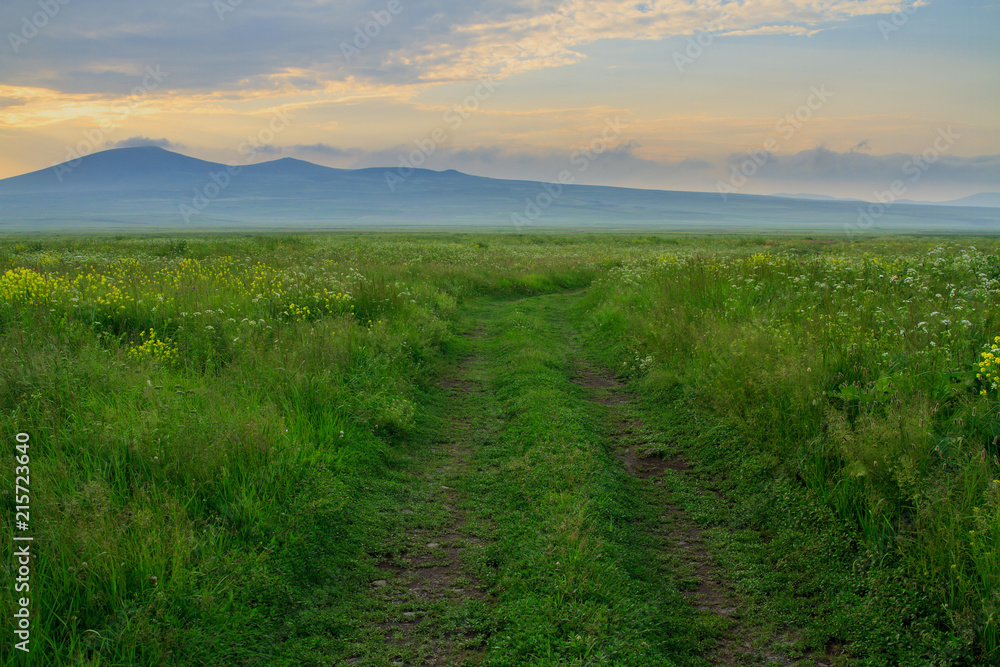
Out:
{"x": 425, "y": 588}
{"x": 700, "y": 578}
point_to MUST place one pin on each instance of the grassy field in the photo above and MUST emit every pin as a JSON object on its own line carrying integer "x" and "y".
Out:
{"x": 503, "y": 450}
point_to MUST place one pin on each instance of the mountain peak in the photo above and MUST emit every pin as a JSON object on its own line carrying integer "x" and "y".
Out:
{"x": 131, "y": 167}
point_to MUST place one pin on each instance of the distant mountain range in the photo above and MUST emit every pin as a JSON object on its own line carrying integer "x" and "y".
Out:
{"x": 146, "y": 188}
{"x": 983, "y": 199}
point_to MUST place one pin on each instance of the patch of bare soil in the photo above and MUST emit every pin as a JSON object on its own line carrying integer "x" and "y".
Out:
{"x": 603, "y": 386}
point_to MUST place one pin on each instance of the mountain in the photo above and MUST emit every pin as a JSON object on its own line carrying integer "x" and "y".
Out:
{"x": 120, "y": 169}
{"x": 983, "y": 199}
{"x": 812, "y": 197}
{"x": 133, "y": 189}
{"x": 991, "y": 199}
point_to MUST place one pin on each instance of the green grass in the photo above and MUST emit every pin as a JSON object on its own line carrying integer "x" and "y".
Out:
{"x": 213, "y": 497}
{"x": 223, "y": 429}
{"x": 852, "y": 372}
{"x": 572, "y": 585}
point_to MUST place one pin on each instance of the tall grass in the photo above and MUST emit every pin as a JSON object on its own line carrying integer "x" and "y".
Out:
{"x": 859, "y": 368}
{"x": 210, "y": 418}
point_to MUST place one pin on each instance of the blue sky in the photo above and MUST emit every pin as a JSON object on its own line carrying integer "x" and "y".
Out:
{"x": 695, "y": 88}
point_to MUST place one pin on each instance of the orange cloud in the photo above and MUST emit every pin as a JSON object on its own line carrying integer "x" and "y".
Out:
{"x": 536, "y": 39}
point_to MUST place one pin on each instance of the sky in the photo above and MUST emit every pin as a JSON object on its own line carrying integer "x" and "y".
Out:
{"x": 848, "y": 98}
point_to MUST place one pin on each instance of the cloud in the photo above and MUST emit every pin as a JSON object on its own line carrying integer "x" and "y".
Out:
{"x": 695, "y": 164}
{"x": 824, "y": 165}
{"x": 299, "y": 47}
{"x": 262, "y": 45}
{"x": 268, "y": 149}
{"x": 324, "y": 150}
{"x": 134, "y": 142}
{"x": 528, "y": 35}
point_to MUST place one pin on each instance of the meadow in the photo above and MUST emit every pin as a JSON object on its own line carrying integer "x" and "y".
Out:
{"x": 225, "y": 429}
